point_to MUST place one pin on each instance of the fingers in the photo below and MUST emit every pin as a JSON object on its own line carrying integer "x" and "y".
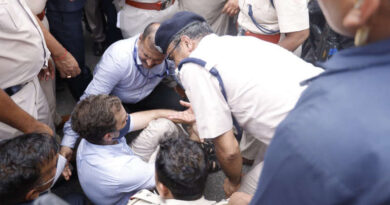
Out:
{"x": 67, "y": 173}
{"x": 185, "y": 104}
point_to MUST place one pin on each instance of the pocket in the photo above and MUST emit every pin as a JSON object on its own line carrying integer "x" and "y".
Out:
{"x": 9, "y": 20}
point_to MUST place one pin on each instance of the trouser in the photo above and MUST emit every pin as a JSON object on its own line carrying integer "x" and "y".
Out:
{"x": 253, "y": 149}
{"x": 133, "y": 21}
{"x": 97, "y": 19}
{"x": 49, "y": 90}
{"x": 32, "y": 100}
{"x": 66, "y": 27}
{"x": 162, "y": 97}
{"x": 146, "y": 145}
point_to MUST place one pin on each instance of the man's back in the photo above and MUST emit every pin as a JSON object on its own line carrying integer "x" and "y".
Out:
{"x": 110, "y": 174}
{"x": 334, "y": 147}
{"x": 261, "y": 89}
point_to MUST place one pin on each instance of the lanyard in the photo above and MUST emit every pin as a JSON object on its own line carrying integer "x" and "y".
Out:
{"x": 213, "y": 71}
{"x": 259, "y": 26}
{"x": 139, "y": 67}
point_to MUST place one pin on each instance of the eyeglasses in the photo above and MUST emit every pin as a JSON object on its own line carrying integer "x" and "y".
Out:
{"x": 174, "y": 48}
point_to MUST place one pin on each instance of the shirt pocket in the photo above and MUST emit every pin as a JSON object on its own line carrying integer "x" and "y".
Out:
{"x": 263, "y": 11}
{"x": 9, "y": 20}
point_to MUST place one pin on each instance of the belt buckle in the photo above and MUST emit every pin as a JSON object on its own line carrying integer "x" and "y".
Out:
{"x": 165, "y": 4}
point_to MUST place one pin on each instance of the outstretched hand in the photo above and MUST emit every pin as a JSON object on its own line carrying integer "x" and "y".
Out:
{"x": 185, "y": 117}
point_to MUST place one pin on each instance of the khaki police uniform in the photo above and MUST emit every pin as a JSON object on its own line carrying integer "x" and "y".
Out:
{"x": 283, "y": 16}
{"x": 22, "y": 56}
{"x": 261, "y": 89}
{"x": 211, "y": 11}
{"x": 37, "y": 7}
{"x": 133, "y": 20}
{"x": 145, "y": 197}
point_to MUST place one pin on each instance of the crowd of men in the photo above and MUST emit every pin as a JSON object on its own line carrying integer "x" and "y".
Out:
{"x": 208, "y": 85}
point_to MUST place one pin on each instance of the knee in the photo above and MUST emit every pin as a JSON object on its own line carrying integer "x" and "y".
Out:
{"x": 167, "y": 127}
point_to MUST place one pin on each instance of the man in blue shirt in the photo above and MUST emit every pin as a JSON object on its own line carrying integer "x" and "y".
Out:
{"x": 109, "y": 170}
{"x": 130, "y": 69}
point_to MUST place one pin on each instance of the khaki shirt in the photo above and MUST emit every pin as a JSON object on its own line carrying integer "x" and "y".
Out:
{"x": 145, "y": 197}
{"x": 23, "y": 50}
{"x": 287, "y": 16}
{"x": 261, "y": 82}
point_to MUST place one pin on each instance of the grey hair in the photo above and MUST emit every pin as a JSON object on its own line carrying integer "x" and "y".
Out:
{"x": 194, "y": 31}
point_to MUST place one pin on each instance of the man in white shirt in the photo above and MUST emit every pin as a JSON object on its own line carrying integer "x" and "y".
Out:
{"x": 109, "y": 170}
{"x": 134, "y": 15}
{"x": 23, "y": 55}
{"x": 251, "y": 84}
{"x": 277, "y": 21}
{"x": 131, "y": 69}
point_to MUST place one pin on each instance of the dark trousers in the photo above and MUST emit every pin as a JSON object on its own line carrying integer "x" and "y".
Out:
{"x": 66, "y": 27}
{"x": 162, "y": 97}
{"x": 113, "y": 34}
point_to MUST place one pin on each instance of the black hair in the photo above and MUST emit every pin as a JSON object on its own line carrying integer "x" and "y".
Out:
{"x": 181, "y": 167}
{"x": 21, "y": 160}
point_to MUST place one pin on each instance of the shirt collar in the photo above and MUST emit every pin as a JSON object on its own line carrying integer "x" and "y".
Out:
{"x": 91, "y": 150}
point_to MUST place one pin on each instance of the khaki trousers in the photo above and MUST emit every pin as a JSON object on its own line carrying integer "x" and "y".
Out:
{"x": 252, "y": 149}
{"x": 146, "y": 145}
{"x": 32, "y": 100}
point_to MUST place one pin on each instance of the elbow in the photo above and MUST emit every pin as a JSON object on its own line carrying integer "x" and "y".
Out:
{"x": 231, "y": 154}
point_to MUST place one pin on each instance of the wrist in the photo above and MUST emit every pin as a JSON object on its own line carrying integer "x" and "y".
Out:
{"x": 61, "y": 56}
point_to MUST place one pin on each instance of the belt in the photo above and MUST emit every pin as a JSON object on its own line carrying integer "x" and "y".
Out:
{"x": 151, "y": 6}
{"x": 41, "y": 15}
{"x": 14, "y": 89}
{"x": 270, "y": 38}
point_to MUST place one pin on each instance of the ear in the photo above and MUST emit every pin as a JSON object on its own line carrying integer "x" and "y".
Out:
{"x": 188, "y": 43}
{"x": 107, "y": 137}
{"x": 361, "y": 13}
{"x": 32, "y": 194}
{"x": 163, "y": 190}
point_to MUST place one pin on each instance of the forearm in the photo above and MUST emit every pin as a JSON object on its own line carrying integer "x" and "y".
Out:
{"x": 229, "y": 156}
{"x": 56, "y": 49}
{"x": 294, "y": 40}
{"x": 142, "y": 119}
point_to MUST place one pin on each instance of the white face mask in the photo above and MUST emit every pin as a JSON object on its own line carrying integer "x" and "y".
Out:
{"x": 61, "y": 162}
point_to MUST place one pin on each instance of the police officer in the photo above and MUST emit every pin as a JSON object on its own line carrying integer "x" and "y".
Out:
{"x": 233, "y": 80}
{"x": 23, "y": 55}
{"x": 268, "y": 19}
{"x": 135, "y": 15}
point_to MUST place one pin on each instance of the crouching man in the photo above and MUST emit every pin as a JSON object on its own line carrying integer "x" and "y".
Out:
{"x": 181, "y": 174}
{"x": 110, "y": 171}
